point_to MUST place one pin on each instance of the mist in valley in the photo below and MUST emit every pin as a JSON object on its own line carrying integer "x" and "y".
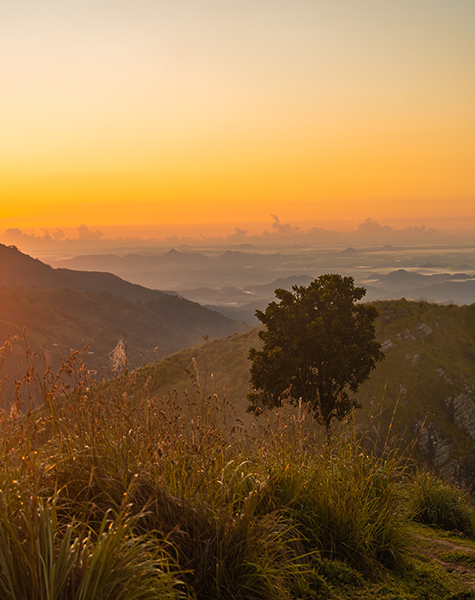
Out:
{"x": 238, "y": 273}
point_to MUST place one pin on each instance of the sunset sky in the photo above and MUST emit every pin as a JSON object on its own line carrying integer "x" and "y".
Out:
{"x": 143, "y": 114}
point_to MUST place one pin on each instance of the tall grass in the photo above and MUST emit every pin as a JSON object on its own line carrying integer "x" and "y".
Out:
{"x": 110, "y": 493}
{"x": 44, "y": 558}
{"x": 435, "y": 502}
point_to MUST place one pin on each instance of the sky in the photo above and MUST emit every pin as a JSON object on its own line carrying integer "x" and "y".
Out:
{"x": 155, "y": 115}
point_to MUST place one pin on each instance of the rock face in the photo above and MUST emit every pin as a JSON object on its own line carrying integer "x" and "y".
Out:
{"x": 432, "y": 445}
{"x": 438, "y": 450}
{"x": 387, "y": 345}
{"x": 405, "y": 335}
{"x": 461, "y": 410}
{"x": 461, "y": 470}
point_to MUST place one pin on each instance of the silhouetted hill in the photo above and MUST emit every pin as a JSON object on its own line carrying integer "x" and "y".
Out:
{"x": 18, "y": 269}
{"x": 61, "y": 320}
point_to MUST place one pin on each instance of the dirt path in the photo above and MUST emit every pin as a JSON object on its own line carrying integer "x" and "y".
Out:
{"x": 437, "y": 549}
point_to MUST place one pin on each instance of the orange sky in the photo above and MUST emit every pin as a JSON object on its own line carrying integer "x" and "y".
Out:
{"x": 130, "y": 114}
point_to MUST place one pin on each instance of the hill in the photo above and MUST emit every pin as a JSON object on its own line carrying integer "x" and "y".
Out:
{"x": 19, "y": 269}
{"x": 107, "y": 498}
{"x": 64, "y": 310}
{"x": 426, "y": 380}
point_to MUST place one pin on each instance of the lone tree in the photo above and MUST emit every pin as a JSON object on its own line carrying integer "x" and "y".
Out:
{"x": 319, "y": 344}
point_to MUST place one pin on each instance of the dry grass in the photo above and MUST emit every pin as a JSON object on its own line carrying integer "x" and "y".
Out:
{"x": 109, "y": 492}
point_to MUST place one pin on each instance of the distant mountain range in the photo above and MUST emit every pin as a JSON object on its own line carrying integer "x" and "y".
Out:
{"x": 175, "y": 267}
{"x": 65, "y": 310}
{"x": 237, "y": 282}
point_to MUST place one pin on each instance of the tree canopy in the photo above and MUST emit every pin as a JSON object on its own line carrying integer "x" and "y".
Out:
{"x": 319, "y": 345}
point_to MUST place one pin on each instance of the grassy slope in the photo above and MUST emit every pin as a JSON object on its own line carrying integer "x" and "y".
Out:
{"x": 417, "y": 389}
{"x": 110, "y": 487}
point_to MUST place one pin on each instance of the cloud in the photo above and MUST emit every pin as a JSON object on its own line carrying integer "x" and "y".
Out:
{"x": 58, "y": 235}
{"x": 283, "y": 228}
{"x": 84, "y": 233}
{"x": 370, "y": 227}
{"x": 238, "y": 234}
{"x": 15, "y": 235}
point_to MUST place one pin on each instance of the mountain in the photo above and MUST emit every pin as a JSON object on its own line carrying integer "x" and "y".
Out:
{"x": 178, "y": 269}
{"x": 423, "y": 392}
{"x": 18, "y": 269}
{"x": 65, "y": 310}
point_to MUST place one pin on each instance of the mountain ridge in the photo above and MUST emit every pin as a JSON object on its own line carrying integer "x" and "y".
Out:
{"x": 65, "y": 310}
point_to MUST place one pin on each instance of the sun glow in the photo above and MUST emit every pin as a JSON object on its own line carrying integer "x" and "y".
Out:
{"x": 120, "y": 117}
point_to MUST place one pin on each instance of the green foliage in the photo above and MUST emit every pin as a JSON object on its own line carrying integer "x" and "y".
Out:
{"x": 318, "y": 345}
{"x": 435, "y": 502}
{"x": 41, "y": 555}
{"x": 460, "y": 558}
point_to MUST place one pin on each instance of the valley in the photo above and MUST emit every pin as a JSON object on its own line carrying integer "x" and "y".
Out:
{"x": 237, "y": 280}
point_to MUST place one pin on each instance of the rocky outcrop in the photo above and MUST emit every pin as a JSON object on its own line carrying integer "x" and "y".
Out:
{"x": 414, "y": 359}
{"x": 462, "y": 471}
{"x": 405, "y": 336}
{"x": 461, "y": 410}
{"x": 423, "y": 331}
{"x": 432, "y": 445}
{"x": 387, "y": 345}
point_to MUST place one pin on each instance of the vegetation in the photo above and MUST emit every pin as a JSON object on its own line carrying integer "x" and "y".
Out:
{"x": 318, "y": 345}
{"x": 111, "y": 492}
{"x": 435, "y": 502}
{"x": 416, "y": 376}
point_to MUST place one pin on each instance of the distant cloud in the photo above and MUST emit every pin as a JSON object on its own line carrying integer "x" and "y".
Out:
{"x": 238, "y": 234}
{"x": 371, "y": 227}
{"x": 58, "y": 235}
{"x": 15, "y": 236}
{"x": 283, "y": 228}
{"x": 84, "y": 233}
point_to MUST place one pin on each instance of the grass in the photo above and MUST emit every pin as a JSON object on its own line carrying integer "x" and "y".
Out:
{"x": 224, "y": 368}
{"x": 110, "y": 492}
{"x": 460, "y": 558}
{"x": 435, "y": 502}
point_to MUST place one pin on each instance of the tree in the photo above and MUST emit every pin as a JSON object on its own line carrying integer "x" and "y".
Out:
{"x": 319, "y": 345}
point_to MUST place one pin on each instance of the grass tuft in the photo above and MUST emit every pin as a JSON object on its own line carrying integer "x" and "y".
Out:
{"x": 435, "y": 502}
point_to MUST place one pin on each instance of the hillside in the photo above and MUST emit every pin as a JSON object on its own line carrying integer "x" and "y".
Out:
{"x": 427, "y": 377}
{"x": 18, "y": 269}
{"x": 65, "y": 310}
